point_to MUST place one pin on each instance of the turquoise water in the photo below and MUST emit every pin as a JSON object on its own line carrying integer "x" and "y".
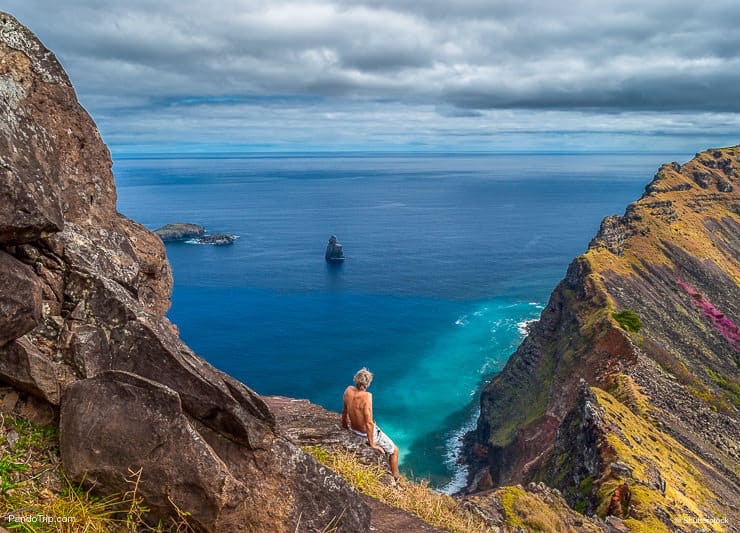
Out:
{"x": 448, "y": 257}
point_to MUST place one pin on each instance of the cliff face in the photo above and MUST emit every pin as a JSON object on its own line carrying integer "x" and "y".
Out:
{"x": 647, "y": 318}
{"x": 83, "y": 293}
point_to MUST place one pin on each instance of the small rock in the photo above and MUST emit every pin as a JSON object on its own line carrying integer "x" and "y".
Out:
{"x": 9, "y": 402}
{"x": 724, "y": 186}
{"x": 615, "y": 525}
{"x": 12, "y": 438}
{"x": 38, "y": 411}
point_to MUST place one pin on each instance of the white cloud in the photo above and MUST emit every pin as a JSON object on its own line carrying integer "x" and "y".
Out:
{"x": 452, "y": 63}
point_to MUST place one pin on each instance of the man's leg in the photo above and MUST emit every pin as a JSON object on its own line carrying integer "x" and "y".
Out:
{"x": 393, "y": 460}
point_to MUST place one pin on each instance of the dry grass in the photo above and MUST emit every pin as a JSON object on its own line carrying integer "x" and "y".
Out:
{"x": 642, "y": 446}
{"x": 35, "y": 495}
{"x": 438, "y": 510}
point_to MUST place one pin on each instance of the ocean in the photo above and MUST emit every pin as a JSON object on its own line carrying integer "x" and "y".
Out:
{"x": 449, "y": 256}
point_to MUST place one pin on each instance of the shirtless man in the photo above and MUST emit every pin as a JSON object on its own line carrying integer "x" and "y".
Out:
{"x": 357, "y": 416}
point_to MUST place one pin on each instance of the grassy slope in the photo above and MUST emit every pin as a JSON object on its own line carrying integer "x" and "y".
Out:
{"x": 508, "y": 508}
{"x": 673, "y": 259}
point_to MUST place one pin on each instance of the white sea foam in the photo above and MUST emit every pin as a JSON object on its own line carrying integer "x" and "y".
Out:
{"x": 453, "y": 454}
{"x": 523, "y": 326}
{"x": 389, "y": 205}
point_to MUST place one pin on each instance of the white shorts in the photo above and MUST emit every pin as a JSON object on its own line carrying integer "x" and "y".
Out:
{"x": 380, "y": 438}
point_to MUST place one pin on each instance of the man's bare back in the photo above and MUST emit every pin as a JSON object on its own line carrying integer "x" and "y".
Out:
{"x": 358, "y": 406}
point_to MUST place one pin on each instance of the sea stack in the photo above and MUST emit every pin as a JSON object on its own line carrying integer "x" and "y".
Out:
{"x": 334, "y": 250}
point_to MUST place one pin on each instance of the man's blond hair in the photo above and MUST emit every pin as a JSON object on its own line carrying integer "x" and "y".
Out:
{"x": 363, "y": 378}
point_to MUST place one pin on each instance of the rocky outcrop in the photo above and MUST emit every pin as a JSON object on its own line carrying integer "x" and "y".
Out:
{"x": 647, "y": 318}
{"x": 217, "y": 239}
{"x": 83, "y": 294}
{"x": 179, "y": 231}
{"x": 307, "y": 424}
{"x": 334, "y": 250}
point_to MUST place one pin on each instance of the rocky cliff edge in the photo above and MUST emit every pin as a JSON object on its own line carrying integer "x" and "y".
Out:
{"x": 625, "y": 393}
{"x": 83, "y": 293}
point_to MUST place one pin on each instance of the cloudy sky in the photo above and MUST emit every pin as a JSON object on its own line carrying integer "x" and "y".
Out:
{"x": 482, "y": 75}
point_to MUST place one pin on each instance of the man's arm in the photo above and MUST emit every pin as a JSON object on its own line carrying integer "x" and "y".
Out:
{"x": 345, "y": 412}
{"x": 345, "y": 416}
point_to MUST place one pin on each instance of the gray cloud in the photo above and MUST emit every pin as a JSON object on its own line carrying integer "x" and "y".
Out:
{"x": 460, "y": 58}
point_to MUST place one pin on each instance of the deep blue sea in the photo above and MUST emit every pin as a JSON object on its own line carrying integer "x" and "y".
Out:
{"x": 448, "y": 257}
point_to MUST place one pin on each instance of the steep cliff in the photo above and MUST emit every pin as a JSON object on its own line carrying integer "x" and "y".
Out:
{"x": 625, "y": 393}
{"x": 83, "y": 293}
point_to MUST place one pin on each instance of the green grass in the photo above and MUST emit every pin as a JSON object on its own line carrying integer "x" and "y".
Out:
{"x": 731, "y": 387}
{"x": 628, "y": 320}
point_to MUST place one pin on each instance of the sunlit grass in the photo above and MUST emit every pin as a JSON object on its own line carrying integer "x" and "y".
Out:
{"x": 438, "y": 510}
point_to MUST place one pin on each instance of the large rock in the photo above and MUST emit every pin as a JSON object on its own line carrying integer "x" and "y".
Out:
{"x": 20, "y": 305}
{"x": 132, "y": 424}
{"x": 55, "y": 166}
{"x": 25, "y": 367}
{"x": 83, "y": 293}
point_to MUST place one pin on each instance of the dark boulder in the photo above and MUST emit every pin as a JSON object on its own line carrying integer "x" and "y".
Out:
{"x": 25, "y": 367}
{"x": 20, "y": 304}
{"x": 135, "y": 425}
{"x": 55, "y": 167}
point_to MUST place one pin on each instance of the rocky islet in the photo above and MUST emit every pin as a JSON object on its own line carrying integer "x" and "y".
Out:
{"x": 193, "y": 233}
